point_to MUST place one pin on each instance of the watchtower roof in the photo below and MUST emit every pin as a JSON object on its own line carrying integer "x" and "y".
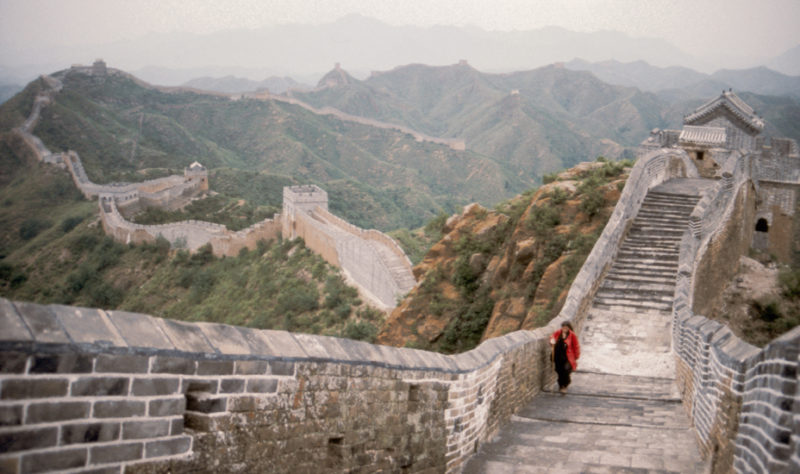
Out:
{"x": 703, "y": 136}
{"x": 730, "y": 102}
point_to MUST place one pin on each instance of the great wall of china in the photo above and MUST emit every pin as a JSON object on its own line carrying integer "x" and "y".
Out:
{"x": 372, "y": 261}
{"x": 85, "y": 389}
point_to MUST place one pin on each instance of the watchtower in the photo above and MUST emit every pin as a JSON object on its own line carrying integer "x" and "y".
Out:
{"x": 304, "y": 198}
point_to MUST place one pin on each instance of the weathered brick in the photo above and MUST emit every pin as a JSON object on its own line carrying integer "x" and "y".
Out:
{"x": 231, "y": 386}
{"x": 251, "y": 367}
{"x": 145, "y": 429}
{"x": 18, "y": 389}
{"x": 127, "y": 364}
{"x": 56, "y": 411}
{"x": 89, "y": 432}
{"x": 204, "y": 403}
{"x": 168, "y": 447}
{"x": 262, "y": 385}
{"x": 116, "y": 453}
{"x": 10, "y": 415}
{"x": 176, "y": 427}
{"x": 155, "y": 386}
{"x": 13, "y": 362}
{"x": 173, "y": 365}
{"x": 61, "y": 363}
{"x": 279, "y": 367}
{"x": 239, "y": 404}
{"x": 55, "y": 460}
{"x": 119, "y": 408}
{"x": 27, "y": 439}
{"x": 100, "y": 386}
{"x": 9, "y": 464}
{"x": 215, "y": 367}
{"x": 167, "y": 407}
{"x": 200, "y": 385}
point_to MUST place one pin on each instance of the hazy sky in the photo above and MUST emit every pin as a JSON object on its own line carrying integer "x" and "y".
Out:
{"x": 746, "y": 27}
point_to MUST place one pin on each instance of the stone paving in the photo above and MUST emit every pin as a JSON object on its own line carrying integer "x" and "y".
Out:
{"x": 622, "y": 412}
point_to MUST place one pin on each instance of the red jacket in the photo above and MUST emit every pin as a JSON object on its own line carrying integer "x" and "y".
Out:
{"x": 573, "y": 347}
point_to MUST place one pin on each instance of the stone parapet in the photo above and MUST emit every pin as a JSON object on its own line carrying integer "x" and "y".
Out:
{"x": 90, "y": 389}
{"x": 742, "y": 400}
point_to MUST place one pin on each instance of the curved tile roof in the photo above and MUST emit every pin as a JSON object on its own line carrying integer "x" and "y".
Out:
{"x": 730, "y": 101}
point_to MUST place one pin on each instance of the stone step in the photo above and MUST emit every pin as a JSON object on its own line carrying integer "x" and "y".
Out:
{"x": 648, "y": 254}
{"x": 664, "y": 280}
{"x": 643, "y": 307}
{"x": 637, "y": 286}
{"x": 645, "y": 264}
{"x": 661, "y": 295}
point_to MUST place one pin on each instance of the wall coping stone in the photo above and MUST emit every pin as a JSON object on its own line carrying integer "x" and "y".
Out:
{"x": 33, "y": 328}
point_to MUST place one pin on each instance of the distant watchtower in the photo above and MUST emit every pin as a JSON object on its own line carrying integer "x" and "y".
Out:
{"x": 197, "y": 172}
{"x": 303, "y": 198}
{"x": 99, "y": 68}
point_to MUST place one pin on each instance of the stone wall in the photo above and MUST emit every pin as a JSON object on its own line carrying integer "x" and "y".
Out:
{"x": 187, "y": 234}
{"x": 89, "y": 389}
{"x": 743, "y": 401}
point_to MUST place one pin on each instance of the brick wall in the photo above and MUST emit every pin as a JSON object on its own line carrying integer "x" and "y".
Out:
{"x": 743, "y": 401}
{"x": 87, "y": 389}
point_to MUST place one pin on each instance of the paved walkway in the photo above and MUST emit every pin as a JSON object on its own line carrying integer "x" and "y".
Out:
{"x": 623, "y": 412}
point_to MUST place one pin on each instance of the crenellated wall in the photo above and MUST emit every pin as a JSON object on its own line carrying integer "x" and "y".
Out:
{"x": 84, "y": 388}
{"x": 744, "y": 401}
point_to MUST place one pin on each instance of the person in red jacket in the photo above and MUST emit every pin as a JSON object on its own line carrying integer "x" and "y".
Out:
{"x": 566, "y": 351}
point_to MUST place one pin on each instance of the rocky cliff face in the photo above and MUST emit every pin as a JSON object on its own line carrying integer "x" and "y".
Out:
{"x": 497, "y": 271}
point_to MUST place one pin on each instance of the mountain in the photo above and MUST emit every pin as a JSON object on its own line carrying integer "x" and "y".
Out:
{"x": 376, "y": 177}
{"x": 684, "y": 82}
{"x": 497, "y": 271}
{"x": 535, "y": 122}
{"x": 788, "y": 62}
{"x": 233, "y": 84}
{"x": 361, "y": 45}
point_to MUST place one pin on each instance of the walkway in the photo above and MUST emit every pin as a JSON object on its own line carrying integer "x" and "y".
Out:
{"x": 623, "y": 412}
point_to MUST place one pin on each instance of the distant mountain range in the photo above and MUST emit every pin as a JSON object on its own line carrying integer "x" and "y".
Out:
{"x": 234, "y": 85}
{"x": 646, "y": 77}
{"x": 363, "y": 45}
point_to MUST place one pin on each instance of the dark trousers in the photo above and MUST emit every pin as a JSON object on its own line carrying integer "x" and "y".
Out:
{"x": 563, "y": 371}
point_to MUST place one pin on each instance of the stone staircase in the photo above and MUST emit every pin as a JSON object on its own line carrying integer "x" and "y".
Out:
{"x": 622, "y": 412}
{"x": 642, "y": 278}
{"x": 398, "y": 266}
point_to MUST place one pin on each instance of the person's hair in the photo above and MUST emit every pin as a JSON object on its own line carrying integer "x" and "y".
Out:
{"x": 569, "y": 325}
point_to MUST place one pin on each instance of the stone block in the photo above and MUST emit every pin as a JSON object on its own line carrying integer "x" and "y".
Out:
{"x": 168, "y": 447}
{"x": 262, "y": 385}
{"x": 119, "y": 408}
{"x": 48, "y": 461}
{"x": 251, "y": 367}
{"x": 226, "y": 339}
{"x": 140, "y": 330}
{"x": 10, "y": 415}
{"x": 155, "y": 386}
{"x": 100, "y": 386}
{"x": 20, "y": 389}
{"x": 28, "y": 439}
{"x": 145, "y": 429}
{"x": 12, "y": 328}
{"x": 167, "y": 407}
{"x": 116, "y": 453}
{"x": 173, "y": 365}
{"x": 61, "y": 363}
{"x": 88, "y": 326}
{"x": 273, "y": 343}
{"x": 185, "y": 337}
{"x": 279, "y": 367}
{"x": 13, "y": 362}
{"x": 214, "y": 367}
{"x": 200, "y": 385}
{"x": 125, "y": 364}
{"x": 205, "y": 403}
{"x": 89, "y": 432}
{"x": 42, "y": 323}
{"x": 56, "y": 411}
{"x": 231, "y": 386}
{"x": 176, "y": 426}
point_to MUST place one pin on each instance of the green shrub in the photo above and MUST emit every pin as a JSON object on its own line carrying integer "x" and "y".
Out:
{"x": 360, "y": 331}
{"x": 70, "y": 223}
{"x": 543, "y": 218}
{"x": 32, "y": 227}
